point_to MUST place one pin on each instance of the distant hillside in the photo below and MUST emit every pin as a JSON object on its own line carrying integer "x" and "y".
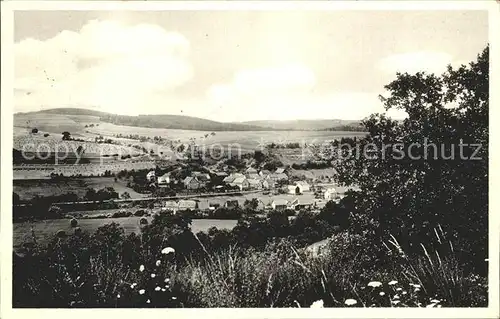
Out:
{"x": 75, "y": 117}
{"x": 308, "y": 125}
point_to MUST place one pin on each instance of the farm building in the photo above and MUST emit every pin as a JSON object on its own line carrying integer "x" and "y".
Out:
{"x": 192, "y": 183}
{"x": 279, "y": 204}
{"x": 300, "y": 187}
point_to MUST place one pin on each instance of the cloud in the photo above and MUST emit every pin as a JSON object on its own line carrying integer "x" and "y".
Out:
{"x": 106, "y": 64}
{"x": 286, "y": 93}
{"x": 413, "y": 62}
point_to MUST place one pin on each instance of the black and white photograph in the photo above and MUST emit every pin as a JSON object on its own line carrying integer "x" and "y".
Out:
{"x": 249, "y": 156}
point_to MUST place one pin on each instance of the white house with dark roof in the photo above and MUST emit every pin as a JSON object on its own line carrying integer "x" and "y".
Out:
{"x": 299, "y": 187}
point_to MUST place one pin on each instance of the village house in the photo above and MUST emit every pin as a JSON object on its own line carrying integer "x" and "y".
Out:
{"x": 264, "y": 173}
{"x": 203, "y": 178}
{"x": 218, "y": 177}
{"x": 279, "y": 204}
{"x": 164, "y": 179}
{"x": 280, "y": 170}
{"x": 268, "y": 184}
{"x": 254, "y": 184}
{"x": 192, "y": 183}
{"x": 229, "y": 179}
{"x": 171, "y": 205}
{"x": 241, "y": 182}
{"x": 299, "y": 204}
{"x": 251, "y": 170}
{"x": 331, "y": 194}
{"x": 300, "y": 187}
{"x": 188, "y": 204}
{"x": 253, "y": 176}
{"x": 279, "y": 177}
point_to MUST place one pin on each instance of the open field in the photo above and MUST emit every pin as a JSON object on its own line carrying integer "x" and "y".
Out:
{"x": 248, "y": 140}
{"x": 45, "y": 229}
{"x": 27, "y": 189}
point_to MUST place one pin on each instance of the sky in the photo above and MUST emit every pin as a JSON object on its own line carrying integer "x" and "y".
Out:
{"x": 232, "y": 66}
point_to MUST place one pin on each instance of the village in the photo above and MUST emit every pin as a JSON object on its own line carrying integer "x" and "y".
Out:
{"x": 271, "y": 190}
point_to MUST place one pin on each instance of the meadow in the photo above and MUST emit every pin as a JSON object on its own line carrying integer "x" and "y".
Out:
{"x": 46, "y": 229}
{"x": 27, "y": 189}
{"x": 248, "y": 140}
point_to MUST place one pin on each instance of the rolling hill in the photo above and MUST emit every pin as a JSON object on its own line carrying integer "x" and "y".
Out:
{"x": 74, "y": 119}
{"x": 307, "y": 125}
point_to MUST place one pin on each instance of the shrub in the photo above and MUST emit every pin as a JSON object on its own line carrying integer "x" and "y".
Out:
{"x": 74, "y": 222}
{"x": 139, "y": 212}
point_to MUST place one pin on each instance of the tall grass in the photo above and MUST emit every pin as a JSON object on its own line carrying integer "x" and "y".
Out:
{"x": 348, "y": 271}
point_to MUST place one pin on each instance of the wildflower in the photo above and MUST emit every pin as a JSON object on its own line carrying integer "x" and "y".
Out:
{"x": 153, "y": 275}
{"x": 417, "y": 289}
{"x": 167, "y": 250}
{"x": 395, "y": 297}
{"x": 382, "y": 293}
{"x": 167, "y": 280}
{"x": 415, "y": 285}
{"x": 157, "y": 288}
{"x": 404, "y": 293}
{"x": 317, "y": 304}
{"x": 350, "y": 302}
{"x": 374, "y": 284}
{"x": 174, "y": 298}
{"x": 435, "y": 301}
{"x": 395, "y": 302}
{"x": 141, "y": 268}
{"x": 148, "y": 301}
{"x": 158, "y": 262}
{"x": 399, "y": 289}
{"x": 118, "y": 296}
{"x": 142, "y": 291}
{"x": 393, "y": 282}
{"x": 133, "y": 285}
{"x": 163, "y": 289}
